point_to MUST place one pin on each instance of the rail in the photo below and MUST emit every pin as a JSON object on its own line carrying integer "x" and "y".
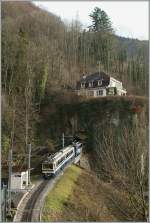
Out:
{"x": 29, "y": 207}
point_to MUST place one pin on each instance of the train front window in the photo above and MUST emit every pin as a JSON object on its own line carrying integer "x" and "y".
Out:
{"x": 48, "y": 166}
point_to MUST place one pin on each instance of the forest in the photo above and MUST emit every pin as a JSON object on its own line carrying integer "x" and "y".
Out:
{"x": 42, "y": 58}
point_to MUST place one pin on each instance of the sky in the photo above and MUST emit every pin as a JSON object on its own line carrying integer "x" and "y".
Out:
{"x": 129, "y": 18}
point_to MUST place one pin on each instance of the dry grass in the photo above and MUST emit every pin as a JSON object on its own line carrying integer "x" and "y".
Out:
{"x": 80, "y": 196}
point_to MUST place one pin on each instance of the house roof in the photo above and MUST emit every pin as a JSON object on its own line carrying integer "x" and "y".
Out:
{"x": 95, "y": 76}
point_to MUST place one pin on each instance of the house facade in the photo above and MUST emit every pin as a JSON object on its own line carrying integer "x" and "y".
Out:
{"x": 98, "y": 85}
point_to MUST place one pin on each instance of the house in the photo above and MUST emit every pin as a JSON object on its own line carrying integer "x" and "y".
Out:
{"x": 99, "y": 84}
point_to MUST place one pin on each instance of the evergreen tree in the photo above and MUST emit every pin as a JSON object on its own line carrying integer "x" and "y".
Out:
{"x": 101, "y": 21}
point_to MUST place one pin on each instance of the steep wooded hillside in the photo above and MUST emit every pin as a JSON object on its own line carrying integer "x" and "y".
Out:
{"x": 41, "y": 55}
{"x": 67, "y": 51}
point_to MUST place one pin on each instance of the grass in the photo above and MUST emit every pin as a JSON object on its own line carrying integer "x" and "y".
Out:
{"x": 57, "y": 198}
{"x": 79, "y": 196}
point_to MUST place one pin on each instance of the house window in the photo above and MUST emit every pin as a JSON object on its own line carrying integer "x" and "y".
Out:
{"x": 99, "y": 82}
{"x": 100, "y": 93}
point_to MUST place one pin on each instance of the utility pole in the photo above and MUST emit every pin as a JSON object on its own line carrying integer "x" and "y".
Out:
{"x": 63, "y": 140}
{"x": 29, "y": 164}
{"x": 9, "y": 181}
{"x": 4, "y": 203}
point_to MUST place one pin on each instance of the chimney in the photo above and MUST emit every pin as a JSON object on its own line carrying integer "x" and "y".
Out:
{"x": 84, "y": 76}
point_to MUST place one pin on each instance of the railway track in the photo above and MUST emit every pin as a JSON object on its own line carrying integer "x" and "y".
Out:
{"x": 32, "y": 208}
{"x": 27, "y": 213}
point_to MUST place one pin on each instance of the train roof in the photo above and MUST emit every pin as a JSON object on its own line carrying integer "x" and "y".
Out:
{"x": 59, "y": 154}
{"x": 76, "y": 143}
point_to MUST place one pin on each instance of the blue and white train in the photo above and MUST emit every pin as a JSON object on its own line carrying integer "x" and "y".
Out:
{"x": 57, "y": 161}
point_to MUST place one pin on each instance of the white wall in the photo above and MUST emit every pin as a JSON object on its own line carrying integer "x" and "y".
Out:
{"x": 115, "y": 83}
{"x": 104, "y": 92}
{"x": 95, "y": 94}
{"x": 87, "y": 93}
{"x": 24, "y": 178}
{"x": 17, "y": 180}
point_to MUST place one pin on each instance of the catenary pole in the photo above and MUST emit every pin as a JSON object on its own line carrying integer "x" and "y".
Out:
{"x": 9, "y": 181}
{"x": 29, "y": 164}
{"x": 5, "y": 203}
{"x": 63, "y": 140}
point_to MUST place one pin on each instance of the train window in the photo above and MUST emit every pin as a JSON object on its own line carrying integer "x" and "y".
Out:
{"x": 63, "y": 158}
{"x": 48, "y": 166}
{"x": 51, "y": 165}
{"x": 68, "y": 154}
{"x": 60, "y": 160}
{"x": 45, "y": 166}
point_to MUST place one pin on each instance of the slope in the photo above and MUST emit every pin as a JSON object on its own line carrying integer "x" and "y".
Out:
{"x": 81, "y": 196}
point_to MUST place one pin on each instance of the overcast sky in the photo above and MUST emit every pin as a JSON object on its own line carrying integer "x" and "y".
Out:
{"x": 129, "y": 18}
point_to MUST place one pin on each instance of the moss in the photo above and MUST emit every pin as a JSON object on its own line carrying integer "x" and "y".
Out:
{"x": 5, "y": 144}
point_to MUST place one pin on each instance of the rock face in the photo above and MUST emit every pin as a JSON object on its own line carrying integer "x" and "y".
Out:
{"x": 82, "y": 117}
{"x": 111, "y": 122}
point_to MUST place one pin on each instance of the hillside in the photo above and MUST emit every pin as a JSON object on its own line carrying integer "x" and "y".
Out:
{"x": 133, "y": 45}
{"x": 80, "y": 201}
{"x": 115, "y": 135}
{"x": 67, "y": 51}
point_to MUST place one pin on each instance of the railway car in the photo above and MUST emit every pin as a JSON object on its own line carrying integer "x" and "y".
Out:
{"x": 78, "y": 148}
{"x": 56, "y": 162}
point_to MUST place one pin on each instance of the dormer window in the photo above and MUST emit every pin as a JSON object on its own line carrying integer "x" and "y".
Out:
{"x": 99, "y": 82}
{"x": 83, "y": 85}
{"x": 91, "y": 84}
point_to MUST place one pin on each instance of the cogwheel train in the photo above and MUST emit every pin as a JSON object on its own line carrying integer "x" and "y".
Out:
{"x": 56, "y": 162}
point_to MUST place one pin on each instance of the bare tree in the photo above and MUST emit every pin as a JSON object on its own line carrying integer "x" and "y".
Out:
{"x": 123, "y": 155}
